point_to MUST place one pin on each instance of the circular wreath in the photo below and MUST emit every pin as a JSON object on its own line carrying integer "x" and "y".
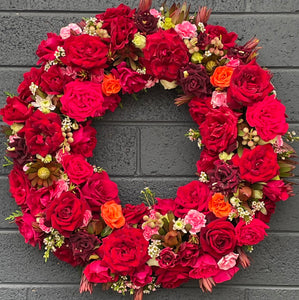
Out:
{"x": 73, "y": 209}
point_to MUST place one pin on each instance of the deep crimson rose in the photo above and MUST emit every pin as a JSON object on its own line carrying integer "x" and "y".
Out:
{"x": 85, "y": 51}
{"x": 205, "y": 267}
{"x": 252, "y": 233}
{"x": 83, "y": 245}
{"x": 43, "y": 133}
{"x": 249, "y": 84}
{"x": 66, "y": 213}
{"x": 39, "y": 200}
{"x": 111, "y": 13}
{"x": 47, "y": 48}
{"x": 173, "y": 277}
{"x": 54, "y": 80}
{"x": 84, "y": 140}
{"x": 77, "y": 168}
{"x": 257, "y": 165}
{"x": 82, "y": 99}
{"x": 25, "y": 224}
{"x": 65, "y": 254}
{"x": 98, "y": 190}
{"x": 19, "y": 185}
{"x": 98, "y": 272}
{"x": 206, "y": 161}
{"x": 194, "y": 195}
{"x": 124, "y": 250}
{"x": 131, "y": 81}
{"x": 15, "y": 111}
{"x": 219, "y": 130}
{"x": 134, "y": 213}
{"x": 270, "y": 207}
{"x": 164, "y": 54}
{"x": 110, "y": 103}
{"x": 167, "y": 258}
{"x": 163, "y": 206}
{"x": 142, "y": 275}
{"x": 33, "y": 76}
{"x": 276, "y": 190}
{"x": 198, "y": 108}
{"x": 146, "y": 22}
{"x": 195, "y": 81}
{"x": 268, "y": 117}
{"x": 188, "y": 254}
{"x": 227, "y": 38}
{"x": 218, "y": 238}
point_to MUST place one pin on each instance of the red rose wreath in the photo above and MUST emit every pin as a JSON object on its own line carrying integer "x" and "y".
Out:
{"x": 72, "y": 208}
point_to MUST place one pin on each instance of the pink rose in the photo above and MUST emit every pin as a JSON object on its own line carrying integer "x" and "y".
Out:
{"x": 252, "y": 233}
{"x": 277, "y": 190}
{"x": 142, "y": 276}
{"x": 206, "y": 266}
{"x": 186, "y": 30}
{"x": 98, "y": 272}
{"x": 228, "y": 261}
{"x": 65, "y": 32}
{"x": 219, "y": 99}
{"x": 196, "y": 219}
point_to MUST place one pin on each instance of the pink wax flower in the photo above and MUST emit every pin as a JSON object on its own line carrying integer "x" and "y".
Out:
{"x": 228, "y": 261}
{"x": 234, "y": 63}
{"x": 65, "y": 32}
{"x": 155, "y": 13}
{"x": 196, "y": 219}
{"x": 219, "y": 99}
{"x": 186, "y": 30}
{"x": 87, "y": 217}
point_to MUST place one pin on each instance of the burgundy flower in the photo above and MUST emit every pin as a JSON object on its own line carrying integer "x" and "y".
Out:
{"x": 188, "y": 254}
{"x": 146, "y": 22}
{"x": 167, "y": 258}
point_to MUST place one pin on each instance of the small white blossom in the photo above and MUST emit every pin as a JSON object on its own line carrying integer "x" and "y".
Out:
{"x": 59, "y": 52}
{"x": 33, "y": 88}
{"x": 203, "y": 177}
{"x": 179, "y": 225}
{"x": 208, "y": 53}
{"x": 45, "y": 105}
{"x": 199, "y": 143}
{"x": 201, "y": 27}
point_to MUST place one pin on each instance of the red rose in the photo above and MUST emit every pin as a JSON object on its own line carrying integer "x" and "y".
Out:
{"x": 124, "y": 250}
{"x": 219, "y": 130}
{"x": 277, "y": 190}
{"x": 85, "y": 51}
{"x": 43, "y": 133}
{"x": 249, "y": 84}
{"x": 47, "y": 48}
{"x": 82, "y": 99}
{"x": 33, "y": 76}
{"x": 199, "y": 107}
{"x": 268, "y": 117}
{"x": 110, "y": 102}
{"x": 218, "y": 238}
{"x": 164, "y": 54}
{"x": 188, "y": 254}
{"x": 84, "y": 140}
{"x": 134, "y": 213}
{"x": 77, "y": 168}
{"x": 167, "y": 258}
{"x": 25, "y": 224}
{"x": 65, "y": 213}
{"x": 98, "y": 272}
{"x": 206, "y": 161}
{"x": 163, "y": 206}
{"x": 172, "y": 277}
{"x": 131, "y": 81}
{"x": 205, "y": 267}
{"x": 115, "y": 12}
{"x": 65, "y": 254}
{"x": 54, "y": 80}
{"x": 194, "y": 195}
{"x": 98, "y": 190}
{"x": 252, "y": 233}
{"x": 227, "y": 38}
{"x": 15, "y": 111}
{"x": 259, "y": 164}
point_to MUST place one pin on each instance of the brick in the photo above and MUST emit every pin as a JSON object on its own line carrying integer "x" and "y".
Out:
{"x": 269, "y": 6}
{"x": 166, "y": 151}
{"x": 25, "y": 264}
{"x": 116, "y": 149}
{"x": 3, "y": 146}
{"x": 273, "y": 293}
{"x": 12, "y": 293}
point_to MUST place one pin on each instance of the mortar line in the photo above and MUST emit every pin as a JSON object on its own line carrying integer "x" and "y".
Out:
{"x": 138, "y": 151}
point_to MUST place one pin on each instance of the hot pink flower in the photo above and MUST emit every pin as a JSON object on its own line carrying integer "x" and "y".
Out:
{"x": 219, "y": 99}
{"x": 65, "y": 32}
{"x": 196, "y": 219}
{"x": 206, "y": 266}
{"x": 228, "y": 261}
{"x": 155, "y": 13}
{"x": 186, "y": 30}
{"x": 225, "y": 275}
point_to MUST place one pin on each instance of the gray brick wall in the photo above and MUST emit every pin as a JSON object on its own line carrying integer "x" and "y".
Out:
{"x": 143, "y": 144}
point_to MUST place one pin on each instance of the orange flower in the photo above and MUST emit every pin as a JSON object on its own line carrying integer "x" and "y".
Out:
{"x": 221, "y": 76}
{"x": 112, "y": 214}
{"x": 110, "y": 85}
{"x": 218, "y": 206}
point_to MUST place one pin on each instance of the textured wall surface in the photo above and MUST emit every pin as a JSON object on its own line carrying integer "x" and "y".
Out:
{"x": 143, "y": 144}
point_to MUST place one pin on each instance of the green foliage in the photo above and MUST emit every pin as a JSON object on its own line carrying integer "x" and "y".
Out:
{"x": 14, "y": 215}
{"x": 8, "y": 162}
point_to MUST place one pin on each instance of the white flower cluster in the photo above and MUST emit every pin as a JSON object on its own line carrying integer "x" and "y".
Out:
{"x": 153, "y": 249}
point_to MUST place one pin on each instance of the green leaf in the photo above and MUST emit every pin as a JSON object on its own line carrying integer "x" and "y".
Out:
{"x": 14, "y": 215}
{"x": 9, "y": 162}
{"x": 106, "y": 231}
{"x": 8, "y": 94}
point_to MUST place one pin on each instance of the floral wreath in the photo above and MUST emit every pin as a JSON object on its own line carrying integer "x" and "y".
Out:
{"x": 73, "y": 209}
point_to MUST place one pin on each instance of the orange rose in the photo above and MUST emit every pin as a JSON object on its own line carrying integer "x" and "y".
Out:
{"x": 218, "y": 206}
{"x": 110, "y": 85}
{"x": 221, "y": 76}
{"x": 112, "y": 214}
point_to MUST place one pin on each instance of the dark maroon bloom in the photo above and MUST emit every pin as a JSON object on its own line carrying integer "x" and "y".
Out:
{"x": 146, "y": 22}
{"x": 167, "y": 258}
{"x": 188, "y": 254}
